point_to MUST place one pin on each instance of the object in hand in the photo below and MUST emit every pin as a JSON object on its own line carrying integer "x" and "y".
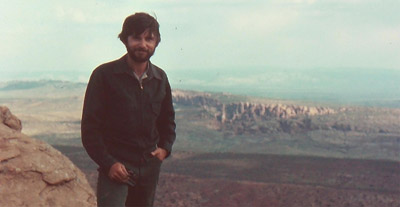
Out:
{"x": 132, "y": 178}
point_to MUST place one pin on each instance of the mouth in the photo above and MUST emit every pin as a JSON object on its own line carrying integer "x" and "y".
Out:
{"x": 141, "y": 51}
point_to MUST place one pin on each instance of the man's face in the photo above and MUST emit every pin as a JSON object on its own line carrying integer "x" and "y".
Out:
{"x": 141, "y": 47}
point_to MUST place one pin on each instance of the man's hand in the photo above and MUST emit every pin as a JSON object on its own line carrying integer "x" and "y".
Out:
{"x": 118, "y": 173}
{"x": 160, "y": 153}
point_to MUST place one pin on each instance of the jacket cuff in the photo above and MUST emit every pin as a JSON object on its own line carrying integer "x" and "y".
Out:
{"x": 108, "y": 162}
{"x": 167, "y": 147}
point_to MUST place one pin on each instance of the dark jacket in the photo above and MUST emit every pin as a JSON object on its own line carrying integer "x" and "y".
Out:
{"x": 122, "y": 119}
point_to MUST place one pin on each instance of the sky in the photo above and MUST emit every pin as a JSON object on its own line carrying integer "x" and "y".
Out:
{"x": 68, "y": 39}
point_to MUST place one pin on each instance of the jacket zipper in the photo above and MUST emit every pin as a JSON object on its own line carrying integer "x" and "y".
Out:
{"x": 141, "y": 105}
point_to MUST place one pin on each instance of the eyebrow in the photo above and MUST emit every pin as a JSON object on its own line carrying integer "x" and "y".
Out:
{"x": 137, "y": 35}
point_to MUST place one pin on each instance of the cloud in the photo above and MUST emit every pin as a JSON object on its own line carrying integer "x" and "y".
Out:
{"x": 204, "y": 34}
{"x": 303, "y": 1}
{"x": 73, "y": 14}
{"x": 88, "y": 12}
{"x": 262, "y": 21}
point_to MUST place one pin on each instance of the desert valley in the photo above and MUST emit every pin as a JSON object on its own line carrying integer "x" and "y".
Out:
{"x": 236, "y": 150}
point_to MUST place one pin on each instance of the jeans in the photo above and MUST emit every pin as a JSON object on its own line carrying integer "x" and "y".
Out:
{"x": 112, "y": 193}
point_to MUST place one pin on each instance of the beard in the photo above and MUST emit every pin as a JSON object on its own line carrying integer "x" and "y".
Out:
{"x": 144, "y": 55}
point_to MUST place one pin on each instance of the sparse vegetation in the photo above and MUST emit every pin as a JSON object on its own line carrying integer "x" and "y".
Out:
{"x": 348, "y": 157}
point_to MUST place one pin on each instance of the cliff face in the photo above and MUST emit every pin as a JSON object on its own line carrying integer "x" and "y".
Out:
{"x": 32, "y": 173}
{"x": 245, "y": 111}
{"x": 253, "y": 112}
{"x": 194, "y": 99}
{"x": 242, "y": 117}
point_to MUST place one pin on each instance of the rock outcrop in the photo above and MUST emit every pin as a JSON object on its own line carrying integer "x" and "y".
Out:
{"x": 245, "y": 111}
{"x": 194, "y": 99}
{"x": 32, "y": 173}
{"x": 253, "y": 111}
{"x": 253, "y": 118}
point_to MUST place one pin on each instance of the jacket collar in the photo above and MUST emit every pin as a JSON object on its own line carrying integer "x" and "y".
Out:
{"x": 123, "y": 67}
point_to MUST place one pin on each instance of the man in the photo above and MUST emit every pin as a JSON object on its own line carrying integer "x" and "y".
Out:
{"x": 128, "y": 120}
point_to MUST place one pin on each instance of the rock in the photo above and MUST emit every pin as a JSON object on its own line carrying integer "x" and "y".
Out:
{"x": 236, "y": 116}
{"x": 9, "y": 119}
{"x": 245, "y": 111}
{"x": 32, "y": 173}
{"x": 202, "y": 99}
{"x": 254, "y": 111}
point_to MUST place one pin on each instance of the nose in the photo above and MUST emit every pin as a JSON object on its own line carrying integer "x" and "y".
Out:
{"x": 142, "y": 43}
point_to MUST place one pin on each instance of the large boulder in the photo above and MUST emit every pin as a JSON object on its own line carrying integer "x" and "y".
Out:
{"x": 32, "y": 173}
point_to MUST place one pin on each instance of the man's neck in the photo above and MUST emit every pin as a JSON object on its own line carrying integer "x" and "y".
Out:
{"x": 138, "y": 68}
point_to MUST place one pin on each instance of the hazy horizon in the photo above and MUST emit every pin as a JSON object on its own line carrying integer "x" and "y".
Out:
{"x": 338, "y": 86}
{"x": 332, "y": 50}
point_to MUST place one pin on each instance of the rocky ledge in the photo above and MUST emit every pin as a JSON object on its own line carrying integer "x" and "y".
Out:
{"x": 32, "y": 173}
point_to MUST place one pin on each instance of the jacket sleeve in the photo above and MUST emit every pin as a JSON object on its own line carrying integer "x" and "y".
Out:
{"x": 166, "y": 122}
{"x": 92, "y": 122}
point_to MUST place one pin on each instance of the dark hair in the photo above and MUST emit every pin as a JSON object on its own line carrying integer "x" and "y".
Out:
{"x": 136, "y": 24}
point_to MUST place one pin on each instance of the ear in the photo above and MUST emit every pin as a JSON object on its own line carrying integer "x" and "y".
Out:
{"x": 125, "y": 42}
{"x": 158, "y": 42}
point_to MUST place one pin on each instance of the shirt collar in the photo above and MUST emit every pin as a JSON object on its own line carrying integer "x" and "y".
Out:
{"x": 123, "y": 67}
{"x": 143, "y": 76}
